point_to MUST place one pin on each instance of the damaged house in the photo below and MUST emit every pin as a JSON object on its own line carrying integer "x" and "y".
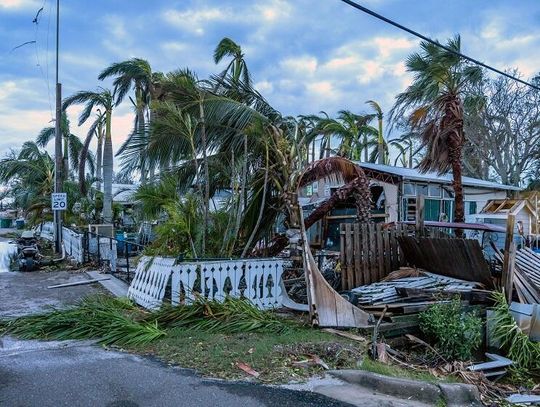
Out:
{"x": 394, "y": 192}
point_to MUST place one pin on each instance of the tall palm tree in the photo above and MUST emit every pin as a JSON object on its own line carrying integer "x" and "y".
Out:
{"x": 434, "y": 106}
{"x": 103, "y": 99}
{"x": 382, "y": 152}
{"x": 96, "y": 130}
{"x": 136, "y": 74}
{"x": 72, "y": 145}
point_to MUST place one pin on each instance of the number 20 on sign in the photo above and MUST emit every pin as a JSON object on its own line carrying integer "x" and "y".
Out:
{"x": 59, "y": 201}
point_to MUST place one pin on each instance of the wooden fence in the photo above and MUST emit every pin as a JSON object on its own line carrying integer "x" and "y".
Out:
{"x": 369, "y": 252}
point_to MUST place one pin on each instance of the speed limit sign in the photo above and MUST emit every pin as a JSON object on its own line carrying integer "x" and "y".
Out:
{"x": 59, "y": 201}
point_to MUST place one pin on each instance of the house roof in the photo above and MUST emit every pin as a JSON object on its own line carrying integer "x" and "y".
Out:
{"x": 414, "y": 174}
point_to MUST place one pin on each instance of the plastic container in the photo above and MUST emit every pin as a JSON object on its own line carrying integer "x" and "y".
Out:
{"x": 6, "y": 222}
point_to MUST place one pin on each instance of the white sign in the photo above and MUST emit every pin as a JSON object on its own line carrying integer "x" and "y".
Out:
{"x": 59, "y": 201}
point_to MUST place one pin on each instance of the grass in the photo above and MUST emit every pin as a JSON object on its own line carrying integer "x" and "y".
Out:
{"x": 272, "y": 355}
{"x": 374, "y": 366}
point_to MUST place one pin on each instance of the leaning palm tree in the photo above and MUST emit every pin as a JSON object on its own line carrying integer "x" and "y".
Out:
{"x": 103, "y": 99}
{"x": 434, "y": 106}
{"x": 237, "y": 67}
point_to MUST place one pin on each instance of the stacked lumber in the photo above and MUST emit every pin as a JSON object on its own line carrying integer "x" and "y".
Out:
{"x": 527, "y": 276}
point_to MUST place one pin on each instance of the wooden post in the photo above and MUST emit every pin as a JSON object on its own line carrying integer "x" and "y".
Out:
{"x": 419, "y": 218}
{"x": 508, "y": 260}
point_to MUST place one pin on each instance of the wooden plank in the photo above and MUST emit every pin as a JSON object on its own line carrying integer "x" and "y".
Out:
{"x": 387, "y": 253}
{"x": 394, "y": 258}
{"x": 419, "y": 217}
{"x": 372, "y": 253}
{"x": 365, "y": 255}
{"x": 345, "y": 334}
{"x": 506, "y": 261}
{"x": 342, "y": 255}
{"x": 380, "y": 252}
{"x": 349, "y": 256}
{"x": 357, "y": 275}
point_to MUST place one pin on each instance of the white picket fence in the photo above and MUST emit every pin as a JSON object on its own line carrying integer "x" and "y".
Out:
{"x": 73, "y": 244}
{"x": 257, "y": 280}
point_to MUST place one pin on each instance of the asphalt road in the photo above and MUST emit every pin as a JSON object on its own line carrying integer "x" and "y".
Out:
{"x": 76, "y": 373}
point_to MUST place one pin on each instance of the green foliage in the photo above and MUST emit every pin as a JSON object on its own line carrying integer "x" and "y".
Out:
{"x": 110, "y": 320}
{"x": 231, "y": 316}
{"x": 524, "y": 352}
{"x": 455, "y": 333}
{"x": 182, "y": 231}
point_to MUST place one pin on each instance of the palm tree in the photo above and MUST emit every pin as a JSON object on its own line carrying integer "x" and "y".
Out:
{"x": 96, "y": 130}
{"x": 30, "y": 174}
{"x": 382, "y": 152}
{"x": 237, "y": 67}
{"x": 103, "y": 99}
{"x": 136, "y": 74}
{"x": 72, "y": 145}
{"x": 434, "y": 105}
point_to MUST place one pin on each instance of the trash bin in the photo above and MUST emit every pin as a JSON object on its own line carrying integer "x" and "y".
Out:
{"x": 6, "y": 222}
{"x": 120, "y": 241}
{"x": 19, "y": 223}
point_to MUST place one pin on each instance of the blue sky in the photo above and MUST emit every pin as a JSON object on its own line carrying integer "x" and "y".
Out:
{"x": 305, "y": 55}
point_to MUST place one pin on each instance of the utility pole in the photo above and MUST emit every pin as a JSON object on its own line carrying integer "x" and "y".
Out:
{"x": 58, "y": 163}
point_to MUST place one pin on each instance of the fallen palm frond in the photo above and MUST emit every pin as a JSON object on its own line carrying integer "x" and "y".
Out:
{"x": 110, "y": 320}
{"x": 524, "y": 352}
{"x": 231, "y": 316}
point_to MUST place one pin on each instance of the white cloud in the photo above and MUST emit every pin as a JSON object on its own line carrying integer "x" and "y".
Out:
{"x": 272, "y": 11}
{"x": 305, "y": 64}
{"x": 19, "y": 4}
{"x": 196, "y": 20}
{"x": 264, "y": 87}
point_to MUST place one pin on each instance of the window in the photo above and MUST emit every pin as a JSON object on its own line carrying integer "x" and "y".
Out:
{"x": 447, "y": 193}
{"x": 421, "y": 189}
{"x": 434, "y": 191}
{"x": 408, "y": 189}
{"x": 472, "y": 207}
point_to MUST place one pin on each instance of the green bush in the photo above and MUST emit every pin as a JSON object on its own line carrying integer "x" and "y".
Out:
{"x": 455, "y": 334}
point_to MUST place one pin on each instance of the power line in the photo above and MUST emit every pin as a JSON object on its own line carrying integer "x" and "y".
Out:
{"x": 416, "y": 34}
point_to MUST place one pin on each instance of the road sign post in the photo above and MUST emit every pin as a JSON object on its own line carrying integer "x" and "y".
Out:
{"x": 59, "y": 201}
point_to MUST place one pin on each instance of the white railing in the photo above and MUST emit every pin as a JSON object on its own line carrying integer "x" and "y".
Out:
{"x": 73, "y": 244}
{"x": 257, "y": 280}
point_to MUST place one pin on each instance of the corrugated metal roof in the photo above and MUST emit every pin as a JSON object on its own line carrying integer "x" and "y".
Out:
{"x": 415, "y": 175}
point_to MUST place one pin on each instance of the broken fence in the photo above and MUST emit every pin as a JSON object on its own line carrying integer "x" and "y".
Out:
{"x": 257, "y": 280}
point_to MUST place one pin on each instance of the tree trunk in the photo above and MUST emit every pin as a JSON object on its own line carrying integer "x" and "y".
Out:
{"x": 141, "y": 130}
{"x": 99, "y": 157}
{"x": 366, "y": 157}
{"x": 358, "y": 188}
{"x": 107, "y": 170}
{"x": 206, "y": 178}
{"x": 261, "y": 209}
{"x": 380, "y": 143}
{"x": 242, "y": 197}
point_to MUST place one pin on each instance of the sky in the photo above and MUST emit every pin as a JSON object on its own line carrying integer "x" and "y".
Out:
{"x": 305, "y": 56}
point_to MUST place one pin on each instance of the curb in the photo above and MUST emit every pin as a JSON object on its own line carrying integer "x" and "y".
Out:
{"x": 453, "y": 394}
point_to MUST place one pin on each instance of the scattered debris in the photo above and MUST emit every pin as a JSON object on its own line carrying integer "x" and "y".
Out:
{"x": 524, "y": 399}
{"x": 345, "y": 334}
{"x": 75, "y": 283}
{"x": 313, "y": 360}
{"x": 495, "y": 368}
{"x": 246, "y": 368}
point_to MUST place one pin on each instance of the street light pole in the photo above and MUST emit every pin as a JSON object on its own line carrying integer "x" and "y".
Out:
{"x": 58, "y": 163}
